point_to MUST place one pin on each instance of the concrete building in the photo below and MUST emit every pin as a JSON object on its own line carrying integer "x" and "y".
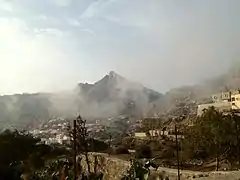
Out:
{"x": 221, "y": 106}
{"x": 140, "y": 135}
{"x": 217, "y": 98}
{"x": 155, "y": 132}
{"x": 224, "y": 102}
{"x": 235, "y": 102}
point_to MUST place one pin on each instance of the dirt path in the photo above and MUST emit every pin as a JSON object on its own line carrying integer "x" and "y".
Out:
{"x": 185, "y": 174}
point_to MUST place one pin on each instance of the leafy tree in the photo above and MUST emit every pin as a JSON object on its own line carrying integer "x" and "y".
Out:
{"x": 122, "y": 150}
{"x": 144, "y": 151}
{"x": 85, "y": 144}
{"x": 122, "y": 125}
{"x": 141, "y": 170}
{"x": 129, "y": 142}
{"x": 151, "y": 123}
{"x": 212, "y": 135}
{"x": 82, "y": 139}
{"x": 16, "y": 149}
{"x": 234, "y": 144}
{"x": 136, "y": 171}
{"x": 22, "y": 154}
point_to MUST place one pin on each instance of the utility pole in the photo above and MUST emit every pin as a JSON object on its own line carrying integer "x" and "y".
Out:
{"x": 176, "y": 135}
{"x": 109, "y": 144}
{"x": 217, "y": 158}
{"x": 74, "y": 149}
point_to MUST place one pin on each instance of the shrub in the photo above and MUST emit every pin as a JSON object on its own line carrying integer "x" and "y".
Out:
{"x": 121, "y": 150}
{"x": 143, "y": 151}
{"x": 167, "y": 153}
{"x": 128, "y": 142}
{"x": 98, "y": 146}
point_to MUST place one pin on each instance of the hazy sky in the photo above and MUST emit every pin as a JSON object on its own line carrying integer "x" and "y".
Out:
{"x": 49, "y": 45}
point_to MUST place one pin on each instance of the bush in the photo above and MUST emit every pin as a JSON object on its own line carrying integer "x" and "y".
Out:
{"x": 155, "y": 145}
{"x": 129, "y": 142}
{"x": 143, "y": 151}
{"x": 121, "y": 150}
{"x": 167, "y": 153}
{"x": 98, "y": 146}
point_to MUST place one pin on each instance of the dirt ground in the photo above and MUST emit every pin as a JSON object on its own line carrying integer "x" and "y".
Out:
{"x": 115, "y": 166}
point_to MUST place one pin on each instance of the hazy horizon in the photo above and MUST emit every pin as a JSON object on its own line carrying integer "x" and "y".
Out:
{"x": 51, "y": 45}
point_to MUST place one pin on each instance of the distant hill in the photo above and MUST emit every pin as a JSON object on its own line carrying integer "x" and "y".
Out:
{"x": 184, "y": 100}
{"x": 112, "y": 96}
{"x": 23, "y": 109}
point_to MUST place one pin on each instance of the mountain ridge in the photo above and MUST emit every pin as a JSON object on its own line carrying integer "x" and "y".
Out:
{"x": 111, "y": 96}
{"x": 115, "y": 82}
{"x": 120, "y": 93}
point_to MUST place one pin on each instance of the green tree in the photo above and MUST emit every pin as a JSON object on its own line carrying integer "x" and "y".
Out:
{"x": 151, "y": 123}
{"x": 21, "y": 153}
{"x": 86, "y": 144}
{"x": 211, "y": 135}
{"x": 143, "y": 151}
{"x": 16, "y": 149}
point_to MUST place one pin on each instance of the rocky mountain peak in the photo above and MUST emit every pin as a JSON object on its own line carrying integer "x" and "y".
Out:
{"x": 112, "y": 74}
{"x": 113, "y": 94}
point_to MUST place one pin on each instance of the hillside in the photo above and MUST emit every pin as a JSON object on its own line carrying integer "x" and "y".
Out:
{"x": 115, "y": 95}
{"x": 112, "y": 96}
{"x": 184, "y": 100}
{"x": 24, "y": 109}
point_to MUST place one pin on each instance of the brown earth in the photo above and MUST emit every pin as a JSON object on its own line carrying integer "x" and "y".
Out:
{"x": 114, "y": 168}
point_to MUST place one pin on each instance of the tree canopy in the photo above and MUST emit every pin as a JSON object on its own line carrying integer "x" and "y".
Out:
{"x": 21, "y": 153}
{"x": 213, "y": 134}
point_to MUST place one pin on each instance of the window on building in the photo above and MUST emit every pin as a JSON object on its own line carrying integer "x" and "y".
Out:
{"x": 233, "y": 99}
{"x": 233, "y": 104}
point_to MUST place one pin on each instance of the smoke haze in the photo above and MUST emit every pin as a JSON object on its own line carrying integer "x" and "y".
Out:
{"x": 111, "y": 96}
{"x": 49, "y": 46}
